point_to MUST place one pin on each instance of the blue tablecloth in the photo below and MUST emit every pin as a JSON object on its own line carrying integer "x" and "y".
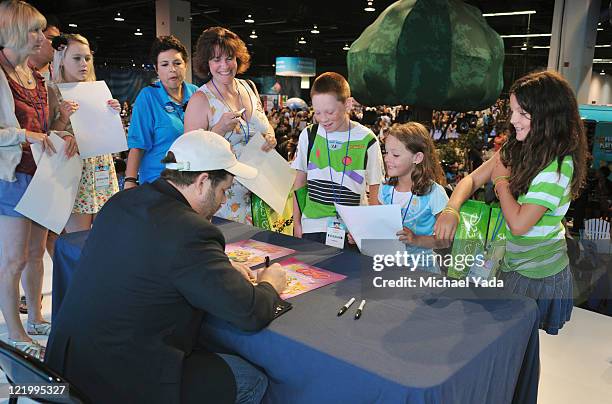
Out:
{"x": 481, "y": 347}
{"x": 65, "y": 257}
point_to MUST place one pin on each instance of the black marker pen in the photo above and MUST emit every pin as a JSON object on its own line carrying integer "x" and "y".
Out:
{"x": 346, "y": 306}
{"x": 359, "y": 310}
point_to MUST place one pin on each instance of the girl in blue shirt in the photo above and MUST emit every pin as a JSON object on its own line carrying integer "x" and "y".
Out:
{"x": 414, "y": 182}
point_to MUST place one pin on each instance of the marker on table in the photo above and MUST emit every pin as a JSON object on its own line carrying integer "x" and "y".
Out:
{"x": 360, "y": 310}
{"x": 346, "y": 306}
{"x": 267, "y": 261}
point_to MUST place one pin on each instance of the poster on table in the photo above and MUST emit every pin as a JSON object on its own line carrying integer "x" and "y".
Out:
{"x": 302, "y": 278}
{"x": 253, "y": 252}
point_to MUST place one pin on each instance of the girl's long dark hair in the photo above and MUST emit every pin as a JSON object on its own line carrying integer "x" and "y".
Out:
{"x": 415, "y": 137}
{"x": 556, "y": 131}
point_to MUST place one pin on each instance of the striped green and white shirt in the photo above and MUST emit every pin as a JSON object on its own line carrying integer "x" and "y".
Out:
{"x": 542, "y": 251}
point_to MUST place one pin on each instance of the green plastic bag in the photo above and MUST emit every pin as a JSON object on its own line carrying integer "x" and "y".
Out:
{"x": 266, "y": 218}
{"x": 301, "y": 195}
{"x": 479, "y": 223}
{"x": 492, "y": 254}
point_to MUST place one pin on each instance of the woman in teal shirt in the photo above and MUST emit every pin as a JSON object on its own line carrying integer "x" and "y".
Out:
{"x": 158, "y": 114}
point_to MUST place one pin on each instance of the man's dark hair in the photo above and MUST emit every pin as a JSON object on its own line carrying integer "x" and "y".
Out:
{"x": 186, "y": 178}
{"x": 53, "y": 21}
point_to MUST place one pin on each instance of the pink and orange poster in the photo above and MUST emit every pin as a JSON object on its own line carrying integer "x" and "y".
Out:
{"x": 302, "y": 278}
{"x": 253, "y": 253}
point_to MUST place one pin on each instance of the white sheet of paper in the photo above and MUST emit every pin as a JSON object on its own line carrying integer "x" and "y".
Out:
{"x": 97, "y": 127}
{"x": 37, "y": 150}
{"x": 50, "y": 196}
{"x": 275, "y": 178}
{"x": 376, "y": 222}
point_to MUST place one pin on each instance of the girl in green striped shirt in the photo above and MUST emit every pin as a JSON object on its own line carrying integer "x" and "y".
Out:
{"x": 536, "y": 175}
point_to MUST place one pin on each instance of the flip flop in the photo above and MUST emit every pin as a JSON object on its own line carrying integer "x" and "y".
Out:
{"x": 32, "y": 348}
{"x": 43, "y": 328}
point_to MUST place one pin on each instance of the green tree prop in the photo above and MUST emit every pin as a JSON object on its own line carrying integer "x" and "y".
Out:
{"x": 437, "y": 54}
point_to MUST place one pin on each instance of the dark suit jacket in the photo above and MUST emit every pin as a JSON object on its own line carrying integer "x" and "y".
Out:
{"x": 150, "y": 269}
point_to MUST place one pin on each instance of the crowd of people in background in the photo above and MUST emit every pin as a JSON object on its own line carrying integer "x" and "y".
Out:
{"x": 445, "y": 127}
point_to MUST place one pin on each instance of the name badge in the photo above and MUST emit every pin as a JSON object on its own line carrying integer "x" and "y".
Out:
{"x": 488, "y": 261}
{"x": 336, "y": 233}
{"x": 102, "y": 177}
{"x": 482, "y": 271}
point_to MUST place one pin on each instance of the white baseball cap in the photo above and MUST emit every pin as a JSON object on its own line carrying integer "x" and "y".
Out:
{"x": 200, "y": 150}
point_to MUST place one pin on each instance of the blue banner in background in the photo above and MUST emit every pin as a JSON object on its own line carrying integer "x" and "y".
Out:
{"x": 602, "y": 144}
{"x": 602, "y": 138}
{"x": 296, "y": 66}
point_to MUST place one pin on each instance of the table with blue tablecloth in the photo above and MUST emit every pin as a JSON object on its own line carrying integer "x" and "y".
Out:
{"x": 477, "y": 347}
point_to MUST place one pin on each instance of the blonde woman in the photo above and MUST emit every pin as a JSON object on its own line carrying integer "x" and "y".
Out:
{"x": 73, "y": 62}
{"x": 24, "y": 116}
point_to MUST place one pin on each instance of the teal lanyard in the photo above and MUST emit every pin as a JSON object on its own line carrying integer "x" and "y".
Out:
{"x": 498, "y": 224}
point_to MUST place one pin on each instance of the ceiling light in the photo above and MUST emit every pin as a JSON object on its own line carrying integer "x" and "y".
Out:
{"x": 603, "y": 46}
{"x": 119, "y": 18}
{"x": 138, "y": 32}
{"x": 249, "y": 19}
{"x": 302, "y": 40}
{"x": 602, "y": 60}
{"x": 133, "y": 64}
{"x": 603, "y": 73}
{"x": 525, "y": 35}
{"x": 370, "y": 6}
{"x": 314, "y": 30}
{"x": 509, "y": 13}
{"x": 523, "y": 49}
{"x": 541, "y": 47}
{"x": 253, "y": 35}
{"x": 346, "y": 47}
{"x": 599, "y": 29}
{"x": 73, "y": 25}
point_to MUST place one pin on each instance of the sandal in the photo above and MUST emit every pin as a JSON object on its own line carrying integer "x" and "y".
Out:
{"x": 23, "y": 304}
{"x": 32, "y": 348}
{"x": 43, "y": 328}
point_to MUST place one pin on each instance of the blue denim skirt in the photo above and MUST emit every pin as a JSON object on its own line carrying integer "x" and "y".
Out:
{"x": 554, "y": 296}
{"x": 11, "y": 193}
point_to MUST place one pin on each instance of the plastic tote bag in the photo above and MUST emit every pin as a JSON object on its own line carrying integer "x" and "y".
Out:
{"x": 479, "y": 243}
{"x": 266, "y": 218}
